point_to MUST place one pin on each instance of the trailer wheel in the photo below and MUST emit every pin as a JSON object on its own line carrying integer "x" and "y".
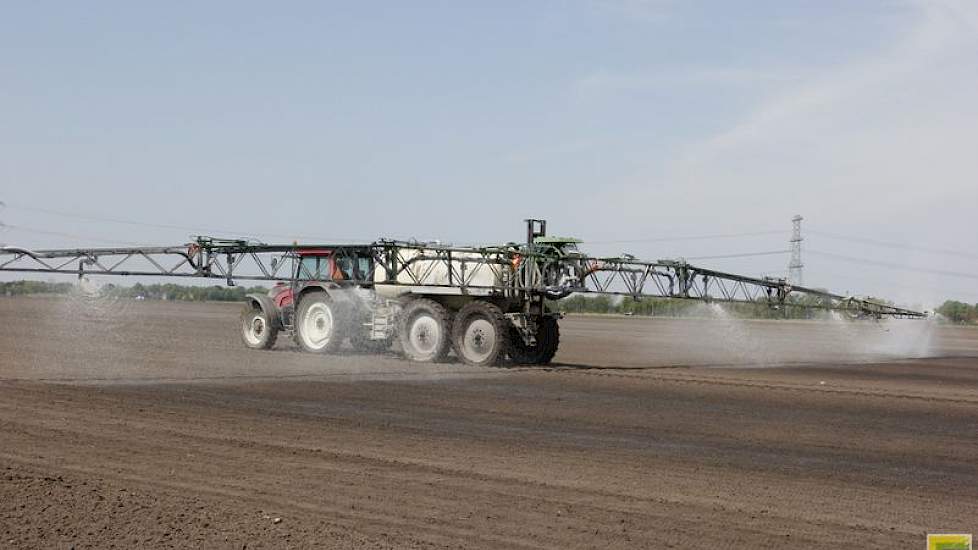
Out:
{"x": 541, "y": 353}
{"x": 257, "y": 330}
{"x": 424, "y": 330}
{"x": 318, "y": 324}
{"x": 480, "y": 334}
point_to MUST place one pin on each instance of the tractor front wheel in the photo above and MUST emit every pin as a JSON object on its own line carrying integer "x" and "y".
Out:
{"x": 257, "y": 330}
{"x": 543, "y": 351}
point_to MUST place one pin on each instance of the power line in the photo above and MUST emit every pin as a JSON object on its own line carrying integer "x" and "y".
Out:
{"x": 192, "y": 229}
{"x": 739, "y": 255}
{"x": 898, "y": 246}
{"x": 691, "y": 238}
{"x": 878, "y": 284}
{"x": 198, "y": 229}
{"x": 892, "y": 265}
{"x": 74, "y": 236}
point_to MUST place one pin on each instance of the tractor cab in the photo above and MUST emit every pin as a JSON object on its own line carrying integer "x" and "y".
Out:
{"x": 335, "y": 265}
{"x": 320, "y": 266}
{"x": 317, "y": 264}
{"x": 557, "y": 247}
{"x": 562, "y": 265}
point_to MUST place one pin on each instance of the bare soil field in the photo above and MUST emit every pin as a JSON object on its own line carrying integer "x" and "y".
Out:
{"x": 147, "y": 424}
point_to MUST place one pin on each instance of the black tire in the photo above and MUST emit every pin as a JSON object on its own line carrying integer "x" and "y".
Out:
{"x": 257, "y": 330}
{"x": 320, "y": 324}
{"x": 424, "y": 328}
{"x": 541, "y": 353}
{"x": 481, "y": 334}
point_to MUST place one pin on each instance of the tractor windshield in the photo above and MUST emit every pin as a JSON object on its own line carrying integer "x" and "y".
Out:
{"x": 357, "y": 268}
{"x": 313, "y": 268}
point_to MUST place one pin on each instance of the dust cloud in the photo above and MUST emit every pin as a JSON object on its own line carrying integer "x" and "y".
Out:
{"x": 724, "y": 338}
{"x": 94, "y": 336}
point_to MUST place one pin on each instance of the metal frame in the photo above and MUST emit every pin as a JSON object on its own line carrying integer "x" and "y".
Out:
{"x": 527, "y": 273}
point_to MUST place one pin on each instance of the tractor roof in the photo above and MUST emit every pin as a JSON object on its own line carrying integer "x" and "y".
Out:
{"x": 557, "y": 240}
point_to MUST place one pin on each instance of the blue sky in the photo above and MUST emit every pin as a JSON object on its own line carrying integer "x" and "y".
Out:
{"x": 616, "y": 120}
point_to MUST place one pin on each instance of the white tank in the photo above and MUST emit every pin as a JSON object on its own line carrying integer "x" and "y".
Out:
{"x": 470, "y": 266}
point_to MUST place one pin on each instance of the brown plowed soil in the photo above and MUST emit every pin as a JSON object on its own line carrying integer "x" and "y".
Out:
{"x": 127, "y": 425}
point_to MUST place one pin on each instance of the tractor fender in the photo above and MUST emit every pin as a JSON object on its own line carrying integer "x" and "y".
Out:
{"x": 335, "y": 292}
{"x": 267, "y": 306}
{"x": 343, "y": 298}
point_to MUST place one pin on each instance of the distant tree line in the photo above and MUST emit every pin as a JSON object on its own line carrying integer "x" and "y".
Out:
{"x": 149, "y": 292}
{"x": 23, "y": 288}
{"x": 959, "y": 312}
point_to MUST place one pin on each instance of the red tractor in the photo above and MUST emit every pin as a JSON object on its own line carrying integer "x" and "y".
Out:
{"x": 325, "y": 302}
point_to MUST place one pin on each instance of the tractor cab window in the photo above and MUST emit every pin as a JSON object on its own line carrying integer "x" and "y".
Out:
{"x": 344, "y": 264}
{"x": 356, "y": 267}
{"x": 314, "y": 268}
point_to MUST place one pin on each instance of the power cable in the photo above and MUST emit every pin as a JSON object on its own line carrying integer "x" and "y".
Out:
{"x": 740, "y": 255}
{"x": 691, "y": 238}
{"x": 74, "y": 236}
{"x": 889, "y": 244}
{"x": 864, "y": 280}
{"x": 892, "y": 265}
{"x": 191, "y": 229}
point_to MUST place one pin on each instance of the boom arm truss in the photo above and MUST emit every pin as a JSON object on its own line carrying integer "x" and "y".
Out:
{"x": 518, "y": 271}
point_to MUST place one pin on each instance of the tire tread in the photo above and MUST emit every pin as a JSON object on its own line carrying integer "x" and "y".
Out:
{"x": 499, "y": 321}
{"x": 440, "y": 313}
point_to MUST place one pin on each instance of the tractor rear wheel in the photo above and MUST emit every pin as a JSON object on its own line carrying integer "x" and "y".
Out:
{"x": 257, "y": 330}
{"x": 480, "y": 334}
{"x": 319, "y": 324}
{"x": 424, "y": 330}
{"x": 541, "y": 353}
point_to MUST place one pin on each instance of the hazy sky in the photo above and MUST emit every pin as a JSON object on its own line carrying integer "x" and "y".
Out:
{"x": 615, "y": 120}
